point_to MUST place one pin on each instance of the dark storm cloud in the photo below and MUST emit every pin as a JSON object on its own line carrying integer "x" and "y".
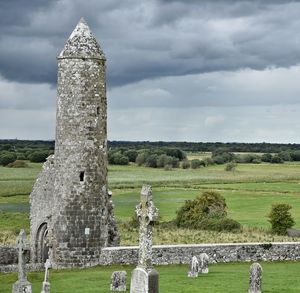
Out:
{"x": 150, "y": 39}
{"x": 18, "y": 12}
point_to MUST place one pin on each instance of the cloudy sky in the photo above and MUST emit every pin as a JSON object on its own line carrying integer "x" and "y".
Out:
{"x": 183, "y": 70}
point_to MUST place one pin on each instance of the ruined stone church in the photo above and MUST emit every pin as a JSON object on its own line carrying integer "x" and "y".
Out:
{"x": 71, "y": 212}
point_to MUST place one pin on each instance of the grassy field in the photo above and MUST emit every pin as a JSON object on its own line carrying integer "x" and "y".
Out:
{"x": 249, "y": 192}
{"x": 229, "y": 278}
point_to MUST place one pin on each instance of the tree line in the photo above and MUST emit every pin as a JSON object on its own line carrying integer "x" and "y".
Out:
{"x": 160, "y": 154}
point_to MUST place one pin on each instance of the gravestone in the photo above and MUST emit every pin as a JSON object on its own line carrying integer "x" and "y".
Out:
{"x": 194, "y": 268}
{"x": 46, "y": 284}
{"x": 255, "y": 282}
{"x": 118, "y": 281}
{"x": 144, "y": 278}
{"x": 203, "y": 263}
{"x": 22, "y": 285}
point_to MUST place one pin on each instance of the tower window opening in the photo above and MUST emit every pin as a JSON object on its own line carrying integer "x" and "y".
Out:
{"x": 98, "y": 110}
{"x": 81, "y": 176}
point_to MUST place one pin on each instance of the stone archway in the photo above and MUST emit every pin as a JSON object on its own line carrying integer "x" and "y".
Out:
{"x": 42, "y": 248}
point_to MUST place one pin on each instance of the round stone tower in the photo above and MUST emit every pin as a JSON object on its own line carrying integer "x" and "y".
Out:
{"x": 82, "y": 220}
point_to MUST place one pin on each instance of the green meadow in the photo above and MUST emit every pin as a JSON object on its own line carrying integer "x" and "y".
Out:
{"x": 250, "y": 192}
{"x": 229, "y": 278}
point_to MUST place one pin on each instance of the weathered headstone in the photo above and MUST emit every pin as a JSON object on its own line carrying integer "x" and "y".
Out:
{"x": 22, "y": 285}
{"x": 46, "y": 284}
{"x": 118, "y": 281}
{"x": 144, "y": 278}
{"x": 255, "y": 282}
{"x": 194, "y": 268}
{"x": 203, "y": 263}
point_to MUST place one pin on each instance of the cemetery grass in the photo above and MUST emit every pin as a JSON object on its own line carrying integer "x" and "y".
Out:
{"x": 249, "y": 192}
{"x": 233, "y": 277}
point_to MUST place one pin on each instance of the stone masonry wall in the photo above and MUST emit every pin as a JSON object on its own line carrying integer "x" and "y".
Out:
{"x": 227, "y": 252}
{"x": 41, "y": 203}
{"x": 180, "y": 254}
{"x": 8, "y": 255}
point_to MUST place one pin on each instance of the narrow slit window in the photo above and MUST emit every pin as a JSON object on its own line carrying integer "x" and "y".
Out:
{"x": 98, "y": 110}
{"x": 81, "y": 176}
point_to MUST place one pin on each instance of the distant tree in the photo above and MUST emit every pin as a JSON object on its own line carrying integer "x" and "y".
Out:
{"x": 208, "y": 212}
{"x": 7, "y": 157}
{"x": 117, "y": 158}
{"x": 230, "y": 167}
{"x": 280, "y": 218}
{"x": 266, "y": 158}
{"x": 285, "y": 156}
{"x": 141, "y": 158}
{"x": 185, "y": 164}
{"x": 219, "y": 159}
{"x": 196, "y": 163}
{"x": 295, "y": 155}
{"x": 131, "y": 155}
{"x": 208, "y": 161}
{"x": 38, "y": 156}
{"x": 151, "y": 161}
{"x": 276, "y": 160}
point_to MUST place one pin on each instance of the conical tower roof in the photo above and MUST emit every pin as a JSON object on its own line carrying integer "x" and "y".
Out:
{"x": 82, "y": 44}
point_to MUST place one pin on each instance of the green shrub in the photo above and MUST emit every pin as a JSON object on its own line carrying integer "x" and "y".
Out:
{"x": 117, "y": 158}
{"x": 266, "y": 158}
{"x": 151, "y": 161}
{"x": 276, "y": 160}
{"x": 280, "y": 218}
{"x": 185, "y": 164}
{"x": 230, "y": 166}
{"x": 206, "y": 212}
{"x": 7, "y": 157}
{"x": 38, "y": 156}
{"x": 18, "y": 164}
{"x": 131, "y": 155}
{"x": 196, "y": 163}
{"x": 141, "y": 158}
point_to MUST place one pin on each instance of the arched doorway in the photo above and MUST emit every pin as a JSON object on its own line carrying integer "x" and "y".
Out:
{"x": 42, "y": 247}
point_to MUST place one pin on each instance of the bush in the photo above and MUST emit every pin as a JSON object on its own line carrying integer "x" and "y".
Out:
{"x": 207, "y": 162}
{"x": 280, "y": 218}
{"x": 38, "y": 156}
{"x": 207, "y": 212}
{"x": 7, "y": 157}
{"x": 195, "y": 164}
{"x": 141, "y": 158}
{"x": 185, "y": 164}
{"x": 117, "y": 158}
{"x": 131, "y": 155}
{"x": 276, "y": 160}
{"x": 230, "y": 166}
{"x": 266, "y": 158}
{"x": 151, "y": 161}
{"x": 18, "y": 164}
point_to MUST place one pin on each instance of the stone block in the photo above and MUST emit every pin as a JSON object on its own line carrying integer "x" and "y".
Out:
{"x": 144, "y": 281}
{"x": 22, "y": 287}
{"x": 118, "y": 281}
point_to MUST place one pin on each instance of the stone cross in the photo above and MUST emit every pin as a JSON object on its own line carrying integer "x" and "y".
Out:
{"x": 146, "y": 213}
{"x": 23, "y": 247}
{"x": 194, "y": 268}
{"x": 46, "y": 284}
{"x": 255, "y": 282}
{"x": 144, "y": 278}
{"x": 22, "y": 285}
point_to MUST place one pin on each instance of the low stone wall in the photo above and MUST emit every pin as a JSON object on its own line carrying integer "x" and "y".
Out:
{"x": 8, "y": 255}
{"x": 227, "y": 252}
{"x": 178, "y": 254}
